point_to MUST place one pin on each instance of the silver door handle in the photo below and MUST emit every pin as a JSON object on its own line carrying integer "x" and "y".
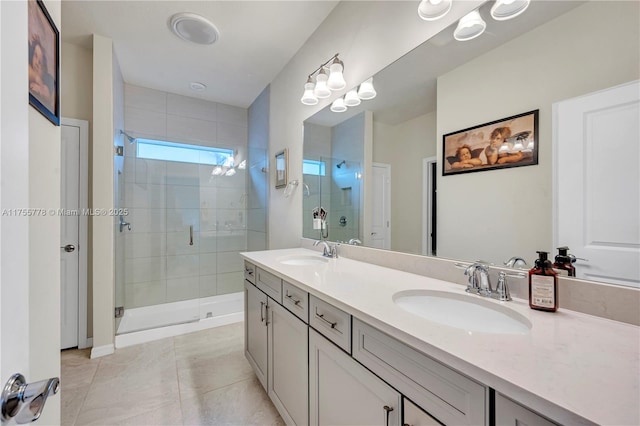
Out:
{"x": 25, "y": 401}
{"x": 69, "y": 248}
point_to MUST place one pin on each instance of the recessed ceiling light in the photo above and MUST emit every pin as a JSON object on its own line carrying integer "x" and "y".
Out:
{"x": 197, "y": 87}
{"x": 194, "y": 28}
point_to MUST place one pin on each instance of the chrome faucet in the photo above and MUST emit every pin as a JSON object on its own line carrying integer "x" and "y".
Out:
{"x": 327, "y": 250}
{"x": 515, "y": 261}
{"x": 479, "y": 281}
{"x": 355, "y": 242}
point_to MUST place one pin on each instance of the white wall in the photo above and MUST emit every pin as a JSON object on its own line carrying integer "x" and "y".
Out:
{"x": 103, "y": 196}
{"x": 369, "y": 36}
{"x": 403, "y": 146}
{"x": 590, "y": 48}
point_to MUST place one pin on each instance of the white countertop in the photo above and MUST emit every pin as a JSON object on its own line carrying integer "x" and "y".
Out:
{"x": 572, "y": 367}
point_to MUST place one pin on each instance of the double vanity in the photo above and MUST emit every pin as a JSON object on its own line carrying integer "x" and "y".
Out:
{"x": 338, "y": 341}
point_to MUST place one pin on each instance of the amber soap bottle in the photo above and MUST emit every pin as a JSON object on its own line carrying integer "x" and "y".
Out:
{"x": 543, "y": 285}
{"x": 562, "y": 264}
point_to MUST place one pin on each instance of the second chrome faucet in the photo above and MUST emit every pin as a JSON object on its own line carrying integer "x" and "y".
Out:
{"x": 480, "y": 281}
{"x": 328, "y": 251}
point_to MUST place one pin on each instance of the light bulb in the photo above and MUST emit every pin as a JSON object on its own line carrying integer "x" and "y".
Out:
{"x": 338, "y": 105}
{"x": 366, "y": 90}
{"x": 351, "y": 99}
{"x": 507, "y": 9}
{"x": 430, "y": 10}
{"x": 308, "y": 98}
{"x": 322, "y": 90}
{"x": 336, "y": 79}
{"x": 470, "y": 26}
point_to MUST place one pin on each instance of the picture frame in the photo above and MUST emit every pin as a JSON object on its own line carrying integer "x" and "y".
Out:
{"x": 508, "y": 142}
{"x": 44, "y": 62}
{"x": 282, "y": 168}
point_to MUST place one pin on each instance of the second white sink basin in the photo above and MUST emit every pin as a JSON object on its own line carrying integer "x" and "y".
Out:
{"x": 303, "y": 260}
{"x": 462, "y": 311}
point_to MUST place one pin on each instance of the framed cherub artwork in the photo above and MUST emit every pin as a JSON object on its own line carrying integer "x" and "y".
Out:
{"x": 508, "y": 142}
{"x": 44, "y": 62}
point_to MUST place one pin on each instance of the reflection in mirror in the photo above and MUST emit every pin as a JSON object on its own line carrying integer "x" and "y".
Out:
{"x": 553, "y": 52}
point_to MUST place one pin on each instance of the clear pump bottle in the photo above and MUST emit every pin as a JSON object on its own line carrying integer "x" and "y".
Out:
{"x": 543, "y": 285}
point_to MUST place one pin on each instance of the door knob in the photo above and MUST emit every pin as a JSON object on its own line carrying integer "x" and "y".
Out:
{"x": 25, "y": 401}
{"x": 69, "y": 248}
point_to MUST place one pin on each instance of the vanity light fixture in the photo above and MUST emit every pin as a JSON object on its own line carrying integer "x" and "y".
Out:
{"x": 319, "y": 85}
{"x": 507, "y": 9}
{"x": 352, "y": 99}
{"x": 366, "y": 90}
{"x": 430, "y": 10}
{"x": 338, "y": 105}
{"x": 322, "y": 89}
{"x": 194, "y": 28}
{"x": 470, "y": 26}
{"x": 308, "y": 98}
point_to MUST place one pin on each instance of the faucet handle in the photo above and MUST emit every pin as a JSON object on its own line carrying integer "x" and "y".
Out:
{"x": 502, "y": 289}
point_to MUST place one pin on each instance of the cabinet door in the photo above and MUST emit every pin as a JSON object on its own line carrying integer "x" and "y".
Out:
{"x": 255, "y": 330}
{"x": 342, "y": 392}
{"x": 414, "y": 416}
{"x": 508, "y": 413}
{"x": 288, "y": 365}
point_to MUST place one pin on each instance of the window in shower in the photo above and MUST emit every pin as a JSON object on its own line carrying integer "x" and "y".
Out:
{"x": 171, "y": 151}
{"x": 313, "y": 167}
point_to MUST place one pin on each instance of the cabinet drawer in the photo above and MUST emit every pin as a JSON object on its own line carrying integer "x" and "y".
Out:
{"x": 331, "y": 322}
{"x": 296, "y": 300}
{"x": 249, "y": 272}
{"x": 446, "y": 394}
{"x": 510, "y": 413}
{"x": 270, "y": 284}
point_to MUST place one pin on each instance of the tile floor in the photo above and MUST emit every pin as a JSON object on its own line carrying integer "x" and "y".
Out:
{"x": 200, "y": 378}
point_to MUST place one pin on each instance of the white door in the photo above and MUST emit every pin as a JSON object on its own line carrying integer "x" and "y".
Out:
{"x": 73, "y": 244}
{"x": 14, "y": 175}
{"x": 596, "y": 183}
{"x": 381, "y": 212}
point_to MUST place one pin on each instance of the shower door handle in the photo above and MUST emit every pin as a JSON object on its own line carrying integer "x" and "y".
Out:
{"x": 191, "y": 235}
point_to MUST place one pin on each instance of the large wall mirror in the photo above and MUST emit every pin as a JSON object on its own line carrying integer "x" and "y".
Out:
{"x": 376, "y": 168}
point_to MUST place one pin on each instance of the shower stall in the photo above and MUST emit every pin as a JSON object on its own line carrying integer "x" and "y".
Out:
{"x": 195, "y": 195}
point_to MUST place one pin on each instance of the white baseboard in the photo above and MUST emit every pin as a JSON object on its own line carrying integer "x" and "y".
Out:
{"x": 99, "y": 351}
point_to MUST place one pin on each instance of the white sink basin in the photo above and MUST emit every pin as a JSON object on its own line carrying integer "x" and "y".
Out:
{"x": 462, "y": 311}
{"x": 303, "y": 260}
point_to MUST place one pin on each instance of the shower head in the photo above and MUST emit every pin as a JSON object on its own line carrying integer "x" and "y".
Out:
{"x": 129, "y": 138}
{"x": 339, "y": 165}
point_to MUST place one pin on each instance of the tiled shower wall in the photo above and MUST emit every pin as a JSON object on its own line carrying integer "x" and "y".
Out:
{"x": 165, "y": 198}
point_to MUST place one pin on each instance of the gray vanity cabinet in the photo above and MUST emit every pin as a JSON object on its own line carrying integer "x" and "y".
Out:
{"x": 255, "y": 330}
{"x": 288, "y": 370}
{"x": 342, "y": 392}
{"x": 508, "y": 413}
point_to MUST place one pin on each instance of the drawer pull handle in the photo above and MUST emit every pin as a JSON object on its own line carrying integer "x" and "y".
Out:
{"x": 248, "y": 271}
{"x": 261, "y": 314}
{"x": 290, "y": 297}
{"x": 321, "y": 316}
{"x": 387, "y": 410}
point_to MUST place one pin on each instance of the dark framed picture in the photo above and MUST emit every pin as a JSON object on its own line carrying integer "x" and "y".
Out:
{"x": 282, "y": 168}
{"x": 508, "y": 142}
{"x": 44, "y": 62}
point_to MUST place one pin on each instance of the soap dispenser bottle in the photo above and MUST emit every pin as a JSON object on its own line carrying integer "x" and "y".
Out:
{"x": 562, "y": 265}
{"x": 543, "y": 285}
